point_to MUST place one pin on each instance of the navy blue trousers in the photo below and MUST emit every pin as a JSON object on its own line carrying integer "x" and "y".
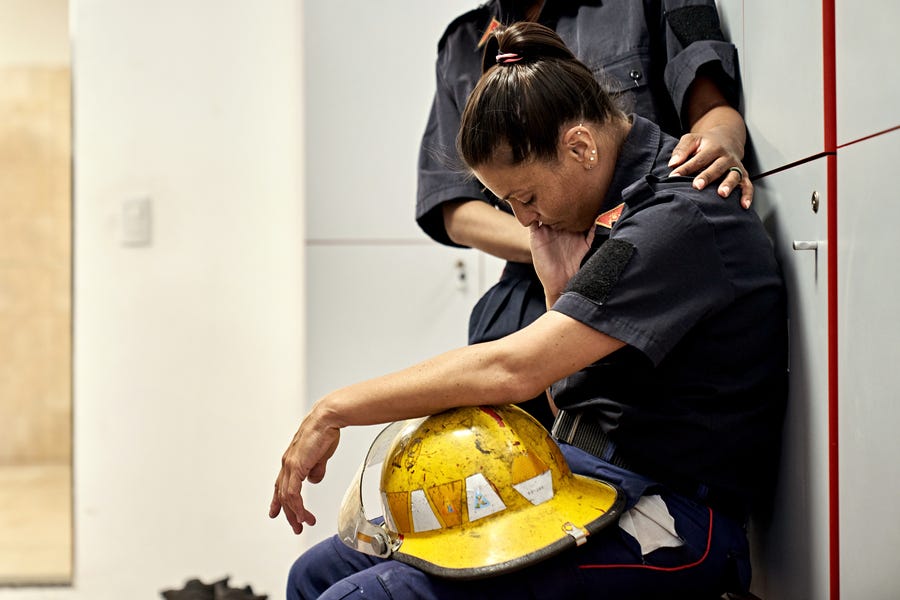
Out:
{"x": 713, "y": 559}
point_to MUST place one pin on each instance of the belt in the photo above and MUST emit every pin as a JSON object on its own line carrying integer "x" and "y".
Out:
{"x": 585, "y": 433}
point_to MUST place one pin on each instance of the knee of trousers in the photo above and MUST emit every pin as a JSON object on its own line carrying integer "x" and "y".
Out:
{"x": 319, "y": 567}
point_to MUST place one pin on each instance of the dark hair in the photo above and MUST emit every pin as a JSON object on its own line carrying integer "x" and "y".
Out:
{"x": 524, "y": 99}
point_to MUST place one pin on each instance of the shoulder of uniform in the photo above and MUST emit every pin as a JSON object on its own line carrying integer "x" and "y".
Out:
{"x": 470, "y": 24}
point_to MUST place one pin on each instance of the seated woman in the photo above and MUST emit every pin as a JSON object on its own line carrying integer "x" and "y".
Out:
{"x": 664, "y": 348}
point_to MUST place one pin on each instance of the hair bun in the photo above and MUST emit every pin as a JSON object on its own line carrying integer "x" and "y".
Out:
{"x": 520, "y": 40}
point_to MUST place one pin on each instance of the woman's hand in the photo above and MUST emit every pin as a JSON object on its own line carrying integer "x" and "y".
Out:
{"x": 713, "y": 153}
{"x": 715, "y": 145}
{"x": 304, "y": 460}
{"x": 557, "y": 256}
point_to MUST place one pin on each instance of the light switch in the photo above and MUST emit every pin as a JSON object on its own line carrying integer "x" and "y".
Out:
{"x": 136, "y": 221}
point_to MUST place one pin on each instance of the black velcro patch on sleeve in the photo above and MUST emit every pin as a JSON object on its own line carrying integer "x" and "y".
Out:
{"x": 598, "y": 275}
{"x": 694, "y": 23}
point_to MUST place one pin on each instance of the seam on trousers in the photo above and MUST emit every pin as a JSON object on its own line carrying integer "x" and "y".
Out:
{"x": 384, "y": 586}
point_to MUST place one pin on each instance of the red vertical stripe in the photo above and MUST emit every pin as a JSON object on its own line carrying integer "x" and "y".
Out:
{"x": 830, "y": 128}
{"x": 833, "y": 458}
{"x": 829, "y": 77}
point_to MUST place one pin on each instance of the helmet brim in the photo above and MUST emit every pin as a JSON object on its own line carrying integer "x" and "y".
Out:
{"x": 516, "y": 539}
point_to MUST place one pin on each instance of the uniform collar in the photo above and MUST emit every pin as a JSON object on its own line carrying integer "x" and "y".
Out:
{"x": 639, "y": 156}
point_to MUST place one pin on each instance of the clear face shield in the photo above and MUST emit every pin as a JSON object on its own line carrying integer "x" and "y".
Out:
{"x": 355, "y": 529}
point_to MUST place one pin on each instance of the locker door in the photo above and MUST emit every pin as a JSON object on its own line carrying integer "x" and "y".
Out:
{"x": 866, "y": 51}
{"x": 791, "y": 545}
{"x": 868, "y": 359}
{"x": 783, "y": 83}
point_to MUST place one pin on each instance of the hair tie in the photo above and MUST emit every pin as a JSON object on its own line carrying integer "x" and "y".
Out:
{"x": 509, "y": 57}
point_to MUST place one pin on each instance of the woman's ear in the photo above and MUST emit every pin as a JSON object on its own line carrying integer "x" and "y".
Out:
{"x": 579, "y": 144}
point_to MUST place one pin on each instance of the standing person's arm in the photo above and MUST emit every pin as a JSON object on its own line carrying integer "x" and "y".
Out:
{"x": 476, "y": 224}
{"x": 703, "y": 80}
{"x": 715, "y": 143}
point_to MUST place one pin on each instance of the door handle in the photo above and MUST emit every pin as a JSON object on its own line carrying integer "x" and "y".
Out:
{"x": 798, "y": 245}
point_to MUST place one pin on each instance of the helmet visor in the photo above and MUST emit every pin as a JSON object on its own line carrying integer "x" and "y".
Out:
{"x": 354, "y": 527}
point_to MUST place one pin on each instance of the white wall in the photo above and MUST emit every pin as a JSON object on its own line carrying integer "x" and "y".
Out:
{"x": 188, "y": 351}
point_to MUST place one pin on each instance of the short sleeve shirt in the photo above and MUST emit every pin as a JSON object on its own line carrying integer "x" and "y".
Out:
{"x": 690, "y": 283}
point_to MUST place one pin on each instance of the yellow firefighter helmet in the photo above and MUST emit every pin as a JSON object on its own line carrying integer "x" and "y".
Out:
{"x": 473, "y": 492}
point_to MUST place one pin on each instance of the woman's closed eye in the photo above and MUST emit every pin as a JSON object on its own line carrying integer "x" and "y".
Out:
{"x": 525, "y": 200}
{"x": 521, "y": 201}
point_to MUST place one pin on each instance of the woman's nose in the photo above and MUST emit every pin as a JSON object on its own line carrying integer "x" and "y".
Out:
{"x": 524, "y": 215}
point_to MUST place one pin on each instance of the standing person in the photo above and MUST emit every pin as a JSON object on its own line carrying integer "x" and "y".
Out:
{"x": 666, "y": 58}
{"x": 665, "y": 349}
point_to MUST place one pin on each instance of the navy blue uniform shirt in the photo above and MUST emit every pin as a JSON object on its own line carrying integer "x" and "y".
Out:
{"x": 690, "y": 282}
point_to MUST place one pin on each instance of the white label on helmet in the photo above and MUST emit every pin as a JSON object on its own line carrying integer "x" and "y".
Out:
{"x": 422, "y": 515}
{"x": 538, "y": 489}
{"x": 481, "y": 497}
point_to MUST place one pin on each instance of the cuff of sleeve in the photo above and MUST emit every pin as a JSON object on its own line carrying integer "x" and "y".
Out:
{"x": 429, "y": 211}
{"x": 585, "y": 311}
{"x": 684, "y": 68}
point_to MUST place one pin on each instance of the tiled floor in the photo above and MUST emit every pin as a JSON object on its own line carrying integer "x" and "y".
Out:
{"x": 35, "y": 524}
